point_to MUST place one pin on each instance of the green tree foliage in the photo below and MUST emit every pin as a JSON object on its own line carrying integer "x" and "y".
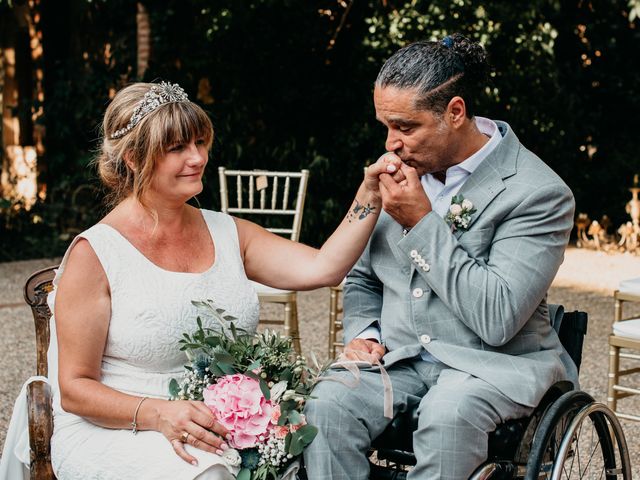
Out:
{"x": 290, "y": 84}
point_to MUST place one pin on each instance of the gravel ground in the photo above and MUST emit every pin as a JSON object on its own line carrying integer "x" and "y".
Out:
{"x": 585, "y": 281}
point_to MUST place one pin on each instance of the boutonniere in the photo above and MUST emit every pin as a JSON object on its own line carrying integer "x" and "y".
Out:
{"x": 459, "y": 214}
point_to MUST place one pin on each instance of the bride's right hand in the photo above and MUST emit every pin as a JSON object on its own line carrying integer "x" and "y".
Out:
{"x": 176, "y": 419}
{"x": 388, "y": 163}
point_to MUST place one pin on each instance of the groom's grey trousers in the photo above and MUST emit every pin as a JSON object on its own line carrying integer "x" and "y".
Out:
{"x": 456, "y": 411}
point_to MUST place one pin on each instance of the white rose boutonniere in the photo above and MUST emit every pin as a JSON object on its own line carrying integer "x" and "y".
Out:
{"x": 455, "y": 209}
{"x": 459, "y": 215}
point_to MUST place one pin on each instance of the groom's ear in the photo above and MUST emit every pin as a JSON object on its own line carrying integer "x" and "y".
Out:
{"x": 456, "y": 112}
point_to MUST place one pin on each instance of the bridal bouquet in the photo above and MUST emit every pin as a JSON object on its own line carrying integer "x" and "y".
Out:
{"x": 256, "y": 387}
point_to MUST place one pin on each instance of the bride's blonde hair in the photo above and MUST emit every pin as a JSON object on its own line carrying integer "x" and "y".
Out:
{"x": 126, "y": 164}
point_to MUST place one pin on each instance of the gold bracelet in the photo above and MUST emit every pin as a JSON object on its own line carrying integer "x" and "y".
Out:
{"x": 134, "y": 424}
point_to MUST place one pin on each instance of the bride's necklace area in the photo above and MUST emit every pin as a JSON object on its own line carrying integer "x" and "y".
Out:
{"x": 181, "y": 251}
{"x": 185, "y": 254}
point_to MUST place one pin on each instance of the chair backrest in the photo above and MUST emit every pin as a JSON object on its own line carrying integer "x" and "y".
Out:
{"x": 267, "y": 195}
{"x": 36, "y": 289}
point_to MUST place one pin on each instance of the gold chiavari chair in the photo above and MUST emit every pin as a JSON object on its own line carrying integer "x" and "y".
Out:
{"x": 274, "y": 200}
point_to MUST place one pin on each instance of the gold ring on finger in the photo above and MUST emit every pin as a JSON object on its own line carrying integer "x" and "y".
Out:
{"x": 184, "y": 437}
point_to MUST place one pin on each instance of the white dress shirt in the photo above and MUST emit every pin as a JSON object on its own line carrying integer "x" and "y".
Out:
{"x": 440, "y": 194}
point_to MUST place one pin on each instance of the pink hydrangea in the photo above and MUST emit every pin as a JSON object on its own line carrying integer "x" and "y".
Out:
{"x": 239, "y": 405}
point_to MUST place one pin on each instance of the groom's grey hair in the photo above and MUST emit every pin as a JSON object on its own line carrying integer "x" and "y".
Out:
{"x": 454, "y": 66}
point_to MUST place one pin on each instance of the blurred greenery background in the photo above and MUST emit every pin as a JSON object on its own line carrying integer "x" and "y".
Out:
{"x": 288, "y": 85}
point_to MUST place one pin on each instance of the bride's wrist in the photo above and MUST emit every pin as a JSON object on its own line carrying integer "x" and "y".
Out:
{"x": 369, "y": 196}
{"x": 151, "y": 414}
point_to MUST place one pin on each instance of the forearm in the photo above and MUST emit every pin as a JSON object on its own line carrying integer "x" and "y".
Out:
{"x": 106, "y": 407}
{"x": 343, "y": 248}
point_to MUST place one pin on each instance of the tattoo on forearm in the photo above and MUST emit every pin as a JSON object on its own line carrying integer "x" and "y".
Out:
{"x": 360, "y": 211}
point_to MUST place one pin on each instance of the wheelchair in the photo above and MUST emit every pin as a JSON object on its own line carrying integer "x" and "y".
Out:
{"x": 569, "y": 435}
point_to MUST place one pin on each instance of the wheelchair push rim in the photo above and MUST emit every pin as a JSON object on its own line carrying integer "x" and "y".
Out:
{"x": 607, "y": 426}
{"x": 578, "y": 439}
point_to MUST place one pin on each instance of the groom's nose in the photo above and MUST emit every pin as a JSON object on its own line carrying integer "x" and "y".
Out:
{"x": 393, "y": 143}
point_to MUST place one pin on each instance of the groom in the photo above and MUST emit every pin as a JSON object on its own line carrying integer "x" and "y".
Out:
{"x": 451, "y": 290}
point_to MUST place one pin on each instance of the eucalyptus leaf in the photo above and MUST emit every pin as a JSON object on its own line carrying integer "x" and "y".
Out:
{"x": 265, "y": 389}
{"x": 307, "y": 433}
{"x": 226, "y": 368}
{"x": 296, "y": 446}
{"x": 286, "y": 374}
{"x": 255, "y": 364}
{"x": 224, "y": 357}
{"x": 244, "y": 474}
{"x": 174, "y": 388}
{"x": 294, "y": 417}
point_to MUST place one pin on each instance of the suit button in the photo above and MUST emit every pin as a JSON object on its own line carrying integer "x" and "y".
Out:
{"x": 417, "y": 292}
{"x": 413, "y": 253}
{"x": 426, "y": 267}
{"x": 425, "y": 339}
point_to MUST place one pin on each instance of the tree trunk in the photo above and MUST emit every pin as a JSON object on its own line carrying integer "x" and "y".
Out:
{"x": 18, "y": 177}
{"x": 143, "y": 39}
{"x": 10, "y": 123}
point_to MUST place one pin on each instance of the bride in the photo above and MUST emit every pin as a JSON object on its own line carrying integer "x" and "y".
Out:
{"x": 123, "y": 294}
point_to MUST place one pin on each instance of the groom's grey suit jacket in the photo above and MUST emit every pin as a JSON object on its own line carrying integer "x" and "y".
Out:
{"x": 479, "y": 303}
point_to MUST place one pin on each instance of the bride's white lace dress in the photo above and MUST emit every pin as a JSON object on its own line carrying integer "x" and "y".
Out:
{"x": 151, "y": 308}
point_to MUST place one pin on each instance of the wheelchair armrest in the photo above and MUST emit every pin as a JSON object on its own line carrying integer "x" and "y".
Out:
{"x": 40, "y": 429}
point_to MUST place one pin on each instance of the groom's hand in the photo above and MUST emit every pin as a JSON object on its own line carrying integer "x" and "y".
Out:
{"x": 398, "y": 175}
{"x": 388, "y": 164}
{"x": 364, "y": 349}
{"x": 406, "y": 200}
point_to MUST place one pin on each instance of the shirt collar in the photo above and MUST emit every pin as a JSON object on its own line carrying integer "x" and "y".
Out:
{"x": 489, "y": 128}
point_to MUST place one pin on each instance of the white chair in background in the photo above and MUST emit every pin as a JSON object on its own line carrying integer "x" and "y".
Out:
{"x": 624, "y": 339}
{"x": 274, "y": 200}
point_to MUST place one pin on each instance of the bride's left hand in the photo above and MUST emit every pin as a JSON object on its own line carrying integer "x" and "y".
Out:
{"x": 186, "y": 421}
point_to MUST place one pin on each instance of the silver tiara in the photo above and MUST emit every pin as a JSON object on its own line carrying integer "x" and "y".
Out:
{"x": 158, "y": 95}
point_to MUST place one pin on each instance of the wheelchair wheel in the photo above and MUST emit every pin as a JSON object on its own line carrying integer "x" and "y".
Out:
{"x": 578, "y": 438}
